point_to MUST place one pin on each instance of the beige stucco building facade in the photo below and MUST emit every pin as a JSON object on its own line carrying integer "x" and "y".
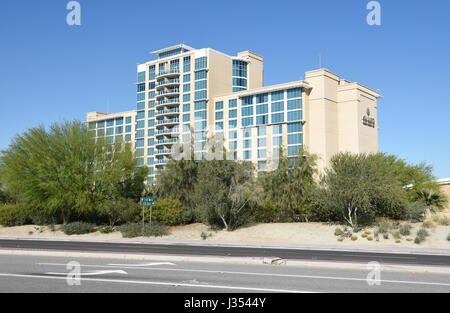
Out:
{"x": 199, "y": 93}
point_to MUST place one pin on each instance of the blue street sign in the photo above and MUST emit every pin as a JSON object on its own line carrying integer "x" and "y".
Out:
{"x": 147, "y": 201}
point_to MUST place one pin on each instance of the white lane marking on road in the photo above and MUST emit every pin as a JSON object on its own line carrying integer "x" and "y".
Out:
{"x": 91, "y": 273}
{"x": 157, "y": 283}
{"x": 272, "y": 274}
{"x": 143, "y": 264}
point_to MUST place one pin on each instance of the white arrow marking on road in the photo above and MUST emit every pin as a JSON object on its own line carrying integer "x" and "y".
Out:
{"x": 92, "y": 273}
{"x": 143, "y": 264}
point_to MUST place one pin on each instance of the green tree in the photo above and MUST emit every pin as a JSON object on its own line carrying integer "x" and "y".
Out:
{"x": 118, "y": 211}
{"x": 167, "y": 211}
{"x": 65, "y": 172}
{"x": 360, "y": 187}
{"x": 290, "y": 187}
{"x": 224, "y": 192}
{"x": 179, "y": 177}
{"x": 177, "y": 181}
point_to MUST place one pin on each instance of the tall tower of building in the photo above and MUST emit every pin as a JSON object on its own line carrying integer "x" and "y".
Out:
{"x": 175, "y": 96}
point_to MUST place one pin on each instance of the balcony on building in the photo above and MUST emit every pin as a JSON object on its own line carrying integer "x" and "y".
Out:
{"x": 167, "y": 93}
{"x": 167, "y": 113}
{"x": 170, "y": 73}
{"x": 167, "y": 103}
{"x": 167, "y": 83}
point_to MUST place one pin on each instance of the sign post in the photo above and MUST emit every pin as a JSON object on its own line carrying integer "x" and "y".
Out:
{"x": 144, "y": 202}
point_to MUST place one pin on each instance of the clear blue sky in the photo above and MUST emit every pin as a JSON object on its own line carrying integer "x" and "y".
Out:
{"x": 51, "y": 72}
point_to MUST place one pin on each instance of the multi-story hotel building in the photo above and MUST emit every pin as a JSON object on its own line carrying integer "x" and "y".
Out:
{"x": 198, "y": 93}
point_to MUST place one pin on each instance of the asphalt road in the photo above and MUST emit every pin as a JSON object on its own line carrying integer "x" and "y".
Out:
{"x": 184, "y": 249}
{"x": 49, "y": 274}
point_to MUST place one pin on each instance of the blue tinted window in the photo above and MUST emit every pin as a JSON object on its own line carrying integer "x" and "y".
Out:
{"x": 140, "y": 133}
{"x": 277, "y": 95}
{"x": 262, "y": 98}
{"x": 248, "y": 121}
{"x": 200, "y": 105}
{"x": 277, "y": 106}
{"x": 262, "y": 120}
{"x": 141, "y": 77}
{"x": 139, "y": 143}
{"x": 247, "y": 100}
{"x": 294, "y": 116}
{"x": 200, "y": 63}
{"x": 232, "y": 103}
{"x": 294, "y": 93}
{"x": 141, "y": 105}
{"x": 140, "y": 115}
{"x": 247, "y": 111}
{"x": 278, "y": 118}
{"x": 294, "y": 104}
{"x": 262, "y": 108}
{"x": 294, "y": 127}
{"x": 201, "y": 84}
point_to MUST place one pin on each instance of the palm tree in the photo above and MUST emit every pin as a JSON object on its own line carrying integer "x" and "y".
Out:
{"x": 433, "y": 199}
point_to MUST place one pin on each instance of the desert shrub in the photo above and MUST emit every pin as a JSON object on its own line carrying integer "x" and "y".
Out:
{"x": 43, "y": 219}
{"x": 157, "y": 230}
{"x": 396, "y": 234}
{"x": 167, "y": 211}
{"x": 267, "y": 212}
{"x": 423, "y": 232}
{"x": 13, "y": 215}
{"x": 448, "y": 237}
{"x": 354, "y": 237}
{"x": 338, "y": 232}
{"x": 386, "y": 236}
{"x": 428, "y": 224}
{"x": 188, "y": 216}
{"x": 78, "y": 228}
{"x": 405, "y": 229}
{"x": 383, "y": 227}
{"x": 421, "y": 235}
{"x": 205, "y": 235}
{"x": 132, "y": 230}
{"x": 444, "y": 221}
{"x": 415, "y": 212}
{"x": 106, "y": 229}
{"x": 118, "y": 211}
{"x": 370, "y": 238}
{"x": 364, "y": 235}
